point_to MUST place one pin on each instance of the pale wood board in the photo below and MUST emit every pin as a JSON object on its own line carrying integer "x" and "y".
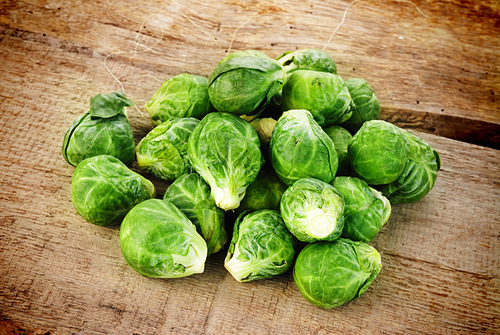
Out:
{"x": 435, "y": 72}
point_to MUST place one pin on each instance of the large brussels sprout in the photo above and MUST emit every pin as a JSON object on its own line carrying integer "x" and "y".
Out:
{"x": 261, "y": 246}
{"x": 184, "y": 95}
{"x": 378, "y": 152}
{"x": 340, "y": 138}
{"x": 329, "y": 274}
{"x": 300, "y": 148}
{"x": 307, "y": 59}
{"x": 103, "y": 130}
{"x": 225, "y": 150}
{"x": 191, "y": 194}
{"x": 313, "y": 210}
{"x": 419, "y": 174}
{"x": 244, "y": 82}
{"x": 366, "y": 210}
{"x": 323, "y": 94}
{"x": 264, "y": 193}
{"x": 103, "y": 190}
{"x": 163, "y": 151}
{"x": 365, "y": 104}
{"x": 158, "y": 240}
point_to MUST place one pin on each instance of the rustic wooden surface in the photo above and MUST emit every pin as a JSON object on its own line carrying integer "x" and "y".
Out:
{"x": 435, "y": 68}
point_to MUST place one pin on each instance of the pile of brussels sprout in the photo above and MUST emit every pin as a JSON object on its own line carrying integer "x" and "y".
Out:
{"x": 279, "y": 163}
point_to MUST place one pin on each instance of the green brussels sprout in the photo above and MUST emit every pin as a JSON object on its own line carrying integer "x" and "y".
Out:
{"x": 184, "y": 95}
{"x": 191, "y": 194}
{"x": 261, "y": 246}
{"x": 244, "y": 82}
{"x": 264, "y": 128}
{"x": 378, "y": 152}
{"x": 340, "y": 137}
{"x": 307, "y": 59}
{"x": 157, "y": 240}
{"x": 313, "y": 210}
{"x": 163, "y": 151}
{"x": 300, "y": 148}
{"x": 225, "y": 150}
{"x": 419, "y": 174}
{"x": 329, "y": 274}
{"x": 104, "y": 190}
{"x": 323, "y": 94}
{"x": 264, "y": 193}
{"x": 103, "y": 130}
{"x": 365, "y": 104}
{"x": 366, "y": 210}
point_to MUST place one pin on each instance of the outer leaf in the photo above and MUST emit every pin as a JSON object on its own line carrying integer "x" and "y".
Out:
{"x": 307, "y": 59}
{"x": 158, "y": 240}
{"x": 109, "y": 105}
{"x": 329, "y": 274}
{"x": 261, "y": 246}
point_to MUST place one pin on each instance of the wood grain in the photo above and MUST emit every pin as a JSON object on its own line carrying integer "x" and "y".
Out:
{"x": 435, "y": 73}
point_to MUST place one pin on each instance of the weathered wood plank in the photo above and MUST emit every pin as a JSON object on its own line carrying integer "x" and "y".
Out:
{"x": 62, "y": 275}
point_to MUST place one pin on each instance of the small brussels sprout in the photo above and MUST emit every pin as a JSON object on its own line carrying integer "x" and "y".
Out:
{"x": 323, "y": 94}
{"x": 329, "y": 274}
{"x": 163, "y": 151}
{"x": 184, "y": 95}
{"x": 104, "y": 190}
{"x": 264, "y": 128}
{"x": 261, "y": 246}
{"x": 366, "y": 210}
{"x": 378, "y": 152}
{"x": 264, "y": 193}
{"x": 340, "y": 138}
{"x": 103, "y": 130}
{"x": 225, "y": 150}
{"x": 313, "y": 210}
{"x": 244, "y": 82}
{"x": 419, "y": 174}
{"x": 191, "y": 194}
{"x": 299, "y": 148}
{"x": 307, "y": 59}
{"x": 365, "y": 104}
{"x": 157, "y": 240}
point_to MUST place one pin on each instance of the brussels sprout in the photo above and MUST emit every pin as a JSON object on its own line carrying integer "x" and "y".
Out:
{"x": 157, "y": 240}
{"x": 103, "y": 130}
{"x": 340, "y": 138}
{"x": 419, "y": 174}
{"x": 261, "y": 246}
{"x": 184, "y": 95}
{"x": 264, "y": 193}
{"x": 163, "y": 151}
{"x": 103, "y": 190}
{"x": 329, "y": 274}
{"x": 378, "y": 152}
{"x": 323, "y": 94}
{"x": 225, "y": 150}
{"x": 307, "y": 59}
{"x": 366, "y": 210}
{"x": 264, "y": 128}
{"x": 299, "y": 148}
{"x": 244, "y": 82}
{"x": 191, "y": 194}
{"x": 313, "y": 210}
{"x": 365, "y": 105}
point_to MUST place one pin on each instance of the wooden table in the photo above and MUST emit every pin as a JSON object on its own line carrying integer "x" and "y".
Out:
{"x": 435, "y": 68}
